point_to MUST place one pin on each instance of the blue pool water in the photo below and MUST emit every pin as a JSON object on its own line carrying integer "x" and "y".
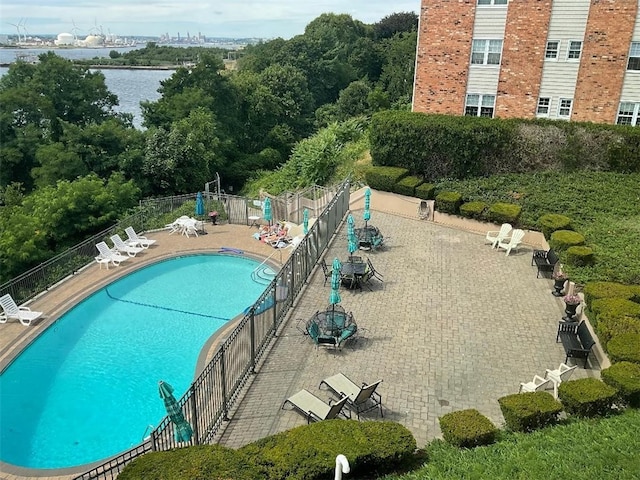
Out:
{"x": 87, "y": 388}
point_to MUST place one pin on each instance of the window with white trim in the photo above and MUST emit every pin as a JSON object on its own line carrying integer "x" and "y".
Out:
{"x": 492, "y": 2}
{"x": 628, "y": 114}
{"x": 543, "y": 106}
{"x": 634, "y": 56}
{"x": 478, "y": 105}
{"x": 564, "y": 107}
{"x": 551, "y": 52}
{"x": 574, "y": 50}
{"x": 486, "y": 52}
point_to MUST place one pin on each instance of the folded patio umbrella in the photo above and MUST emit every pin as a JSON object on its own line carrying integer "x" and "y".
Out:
{"x": 267, "y": 215}
{"x": 367, "y": 204}
{"x": 199, "y": 205}
{"x": 305, "y": 221}
{"x": 334, "y": 298}
{"x": 182, "y": 429}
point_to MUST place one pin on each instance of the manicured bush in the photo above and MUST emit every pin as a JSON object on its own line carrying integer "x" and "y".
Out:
{"x": 524, "y": 412}
{"x": 504, "y": 213}
{"x": 199, "y": 462}
{"x": 617, "y": 307}
{"x": 551, "y": 222}
{"x": 426, "y": 191}
{"x": 580, "y": 256}
{"x": 609, "y": 326}
{"x": 407, "y": 186}
{"x": 448, "y": 202}
{"x": 595, "y": 290}
{"x": 467, "y": 428}
{"x": 384, "y": 178}
{"x": 473, "y": 209}
{"x": 309, "y": 452}
{"x": 624, "y": 348}
{"x": 587, "y": 397}
{"x": 625, "y": 377}
{"x": 563, "y": 239}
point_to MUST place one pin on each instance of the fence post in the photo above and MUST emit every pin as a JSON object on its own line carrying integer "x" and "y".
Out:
{"x": 223, "y": 376}
{"x": 275, "y": 311}
{"x": 194, "y": 410}
{"x": 252, "y": 323}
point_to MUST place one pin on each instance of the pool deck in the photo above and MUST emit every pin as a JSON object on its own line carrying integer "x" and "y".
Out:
{"x": 454, "y": 325}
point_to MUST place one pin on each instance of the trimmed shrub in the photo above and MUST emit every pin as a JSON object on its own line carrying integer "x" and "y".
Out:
{"x": 473, "y": 209}
{"x": 595, "y": 290}
{"x": 407, "y": 186}
{"x": 587, "y": 397}
{"x": 625, "y": 377}
{"x": 617, "y": 307}
{"x": 309, "y": 452}
{"x": 624, "y": 348}
{"x": 467, "y": 428}
{"x": 448, "y": 202}
{"x": 426, "y": 191}
{"x": 504, "y": 213}
{"x": 579, "y": 256}
{"x": 199, "y": 462}
{"x": 563, "y": 239}
{"x": 551, "y": 222}
{"x": 609, "y": 326}
{"x": 384, "y": 178}
{"x": 524, "y": 412}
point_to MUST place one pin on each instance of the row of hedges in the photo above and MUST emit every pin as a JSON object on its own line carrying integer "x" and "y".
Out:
{"x": 444, "y": 146}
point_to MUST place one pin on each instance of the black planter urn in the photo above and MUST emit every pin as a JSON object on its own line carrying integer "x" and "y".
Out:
{"x": 570, "y": 311}
{"x": 558, "y": 285}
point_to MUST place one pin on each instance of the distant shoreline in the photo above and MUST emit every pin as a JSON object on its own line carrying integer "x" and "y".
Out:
{"x": 120, "y": 67}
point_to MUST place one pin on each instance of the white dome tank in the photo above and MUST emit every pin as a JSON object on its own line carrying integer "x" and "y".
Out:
{"x": 64, "y": 39}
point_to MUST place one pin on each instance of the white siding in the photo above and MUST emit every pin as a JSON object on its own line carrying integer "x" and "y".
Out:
{"x": 490, "y": 21}
{"x": 483, "y": 79}
{"x": 631, "y": 84}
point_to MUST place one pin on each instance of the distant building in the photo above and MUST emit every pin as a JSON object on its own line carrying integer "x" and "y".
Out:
{"x": 560, "y": 59}
{"x": 64, "y": 40}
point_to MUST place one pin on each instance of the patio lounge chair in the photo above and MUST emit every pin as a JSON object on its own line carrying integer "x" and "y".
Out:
{"x": 538, "y": 384}
{"x": 359, "y": 399}
{"x": 512, "y": 243}
{"x": 315, "y": 409}
{"x": 12, "y": 310}
{"x": 109, "y": 255}
{"x": 495, "y": 236}
{"x": 136, "y": 240}
{"x": 122, "y": 247}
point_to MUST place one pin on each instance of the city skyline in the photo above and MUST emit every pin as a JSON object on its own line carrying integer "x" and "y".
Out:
{"x": 153, "y": 18}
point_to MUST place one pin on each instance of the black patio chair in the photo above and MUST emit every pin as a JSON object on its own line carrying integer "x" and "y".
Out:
{"x": 374, "y": 273}
{"x": 325, "y": 271}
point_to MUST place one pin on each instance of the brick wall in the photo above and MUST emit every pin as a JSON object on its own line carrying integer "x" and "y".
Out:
{"x": 443, "y": 55}
{"x": 525, "y": 40}
{"x": 604, "y": 60}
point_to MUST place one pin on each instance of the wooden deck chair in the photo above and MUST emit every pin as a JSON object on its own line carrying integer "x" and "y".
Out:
{"x": 495, "y": 236}
{"x": 359, "y": 399}
{"x": 315, "y": 409}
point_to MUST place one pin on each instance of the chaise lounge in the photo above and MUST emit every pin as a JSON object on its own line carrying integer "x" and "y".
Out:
{"x": 315, "y": 409}
{"x": 12, "y": 310}
{"x": 359, "y": 399}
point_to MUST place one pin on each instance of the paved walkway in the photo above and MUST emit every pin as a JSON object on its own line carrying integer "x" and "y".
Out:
{"x": 454, "y": 325}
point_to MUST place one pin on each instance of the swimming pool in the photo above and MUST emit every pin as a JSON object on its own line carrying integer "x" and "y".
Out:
{"x": 87, "y": 388}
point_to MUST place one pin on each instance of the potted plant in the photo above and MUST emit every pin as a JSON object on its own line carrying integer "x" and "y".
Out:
{"x": 571, "y": 303}
{"x": 559, "y": 278}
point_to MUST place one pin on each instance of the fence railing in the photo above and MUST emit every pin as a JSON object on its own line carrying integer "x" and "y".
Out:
{"x": 209, "y": 399}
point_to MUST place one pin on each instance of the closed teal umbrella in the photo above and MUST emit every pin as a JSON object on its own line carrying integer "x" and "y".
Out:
{"x": 367, "y": 204}
{"x": 199, "y": 205}
{"x": 182, "y": 429}
{"x": 334, "y": 298}
{"x": 305, "y": 221}
{"x": 267, "y": 215}
{"x": 351, "y": 235}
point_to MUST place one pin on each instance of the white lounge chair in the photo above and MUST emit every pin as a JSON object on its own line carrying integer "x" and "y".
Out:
{"x": 495, "y": 236}
{"x": 512, "y": 243}
{"x": 12, "y": 310}
{"x": 313, "y": 408}
{"x": 136, "y": 240}
{"x": 538, "y": 384}
{"x": 360, "y": 399}
{"x": 107, "y": 254}
{"x": 122, "y": 247}
{"x": 559, "y": 375}
{"x": 192, "y": 226}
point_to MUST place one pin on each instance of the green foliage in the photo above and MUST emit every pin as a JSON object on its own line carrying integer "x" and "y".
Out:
{"x": 563, "y": 239}
{"x": 384, "y": 178}
{"x": 467, "y": 428}
{"x": 426, "y": 191}
{"x": 308, "y": 452}
{"x": 550, "y": 222}
{"x": 504, "y": 213}
{"x": 615, "y": 307}
{"x": 579, "y": 256}
{"x": 587, "y": 397}
{"x": 610, "y": 325}
{"x": 448, "y": 202}
{"x": 407, "y": 186}
{"x": 596, "y": 290}
{"x": 624, "y": 348}
{"x": 624, "y": 377}
{"x": 525, "y": 412}
{"x": 473, "y": 209}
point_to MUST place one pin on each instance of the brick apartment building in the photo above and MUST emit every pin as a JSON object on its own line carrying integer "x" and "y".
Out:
{"x": 560, "y": 59}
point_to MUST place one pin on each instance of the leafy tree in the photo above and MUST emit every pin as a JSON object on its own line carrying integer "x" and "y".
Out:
{"x": 353, "y": 100}
{"x": 390, "y": 25}
{"x": 399, "y": 66}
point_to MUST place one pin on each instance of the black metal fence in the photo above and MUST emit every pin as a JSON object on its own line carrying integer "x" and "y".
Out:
{"x": 207, "y": 402}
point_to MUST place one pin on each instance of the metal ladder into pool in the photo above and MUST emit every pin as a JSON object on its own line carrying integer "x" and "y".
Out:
{"x": 263, "y": 273}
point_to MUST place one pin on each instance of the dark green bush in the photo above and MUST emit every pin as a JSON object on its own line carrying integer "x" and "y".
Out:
{"x": 504, "y": 213}
{"x": 384, "y": 178}
{"x": 467, "y": 428}
{"x": 407, "y": 186}
{"x": 448, "y": 202}
{"x": 579, "y": 256}
{"x": 309, "y": 452}
{"x": 609, "y": 326}
{"x": 616, "y": 307}
{"x": 624, "y": 348}
{"x": 587, "y": 397}
{"x": 202, "y": 462}
{"x": 524, "y": 412}
{"x": 595, "y": 290}
{"x": 551, "y": 222}
{"x": 625, "y": 377}
{"x": 473, "y": 209}
{"x": 563, "y": 239}
{"x": 426, "y": 191}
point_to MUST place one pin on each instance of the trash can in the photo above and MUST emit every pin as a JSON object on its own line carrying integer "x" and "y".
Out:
{"x": 214, "y": 217}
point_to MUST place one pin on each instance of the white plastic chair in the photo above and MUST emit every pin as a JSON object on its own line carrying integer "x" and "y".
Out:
{"x": 122, "y": 247}
{"x": 136, "y": 240}
{"x": 110, "y": 255}
{"x": 538, "y": 384}
{"x": 495, "y": 236}
{"x": 513, "y": 243}
{"x": 559, "y": 375}
{"x": 12, "y": 310}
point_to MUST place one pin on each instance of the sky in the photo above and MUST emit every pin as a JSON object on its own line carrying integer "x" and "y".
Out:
{"x": 212, "y": 18}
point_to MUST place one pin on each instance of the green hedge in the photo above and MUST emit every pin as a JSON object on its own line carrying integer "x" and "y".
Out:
{"x": 587, "y": 397}
{"x": 595, "y": 290}
{"x": 525, "y": 412}
{"x": 617, "y": 307}
{"x": 609, "y": 326}
{"x": 426, "y": 191}
{"x": 625, "y": 377}
{"x": 579, "y": 256}
{"x": 504, "y": 213}
{"x": 385, "y": 178}
{"x": 624, "y": 348}
{"x": 407, "y": 186}
{"x": 448, "y": 202}
{"x": 551, "y": 222}
{"x": 562, "y": 239}
{"x": 467, "y": 428}
{"x": 473, "y": 210}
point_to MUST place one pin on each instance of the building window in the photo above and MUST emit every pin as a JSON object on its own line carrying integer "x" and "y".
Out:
{"x": 551, "y": 53}
{"x": 543, "y": 106}
{"x": 486, "y": 52}
{"x": 564, "y": 108}
{"x": 575, "y": 48}
{"x": 634, "y": 56}
{"x": 628, "y": 114}
{"x": 492, "y": 2}
{"x": 479, "y": 105}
